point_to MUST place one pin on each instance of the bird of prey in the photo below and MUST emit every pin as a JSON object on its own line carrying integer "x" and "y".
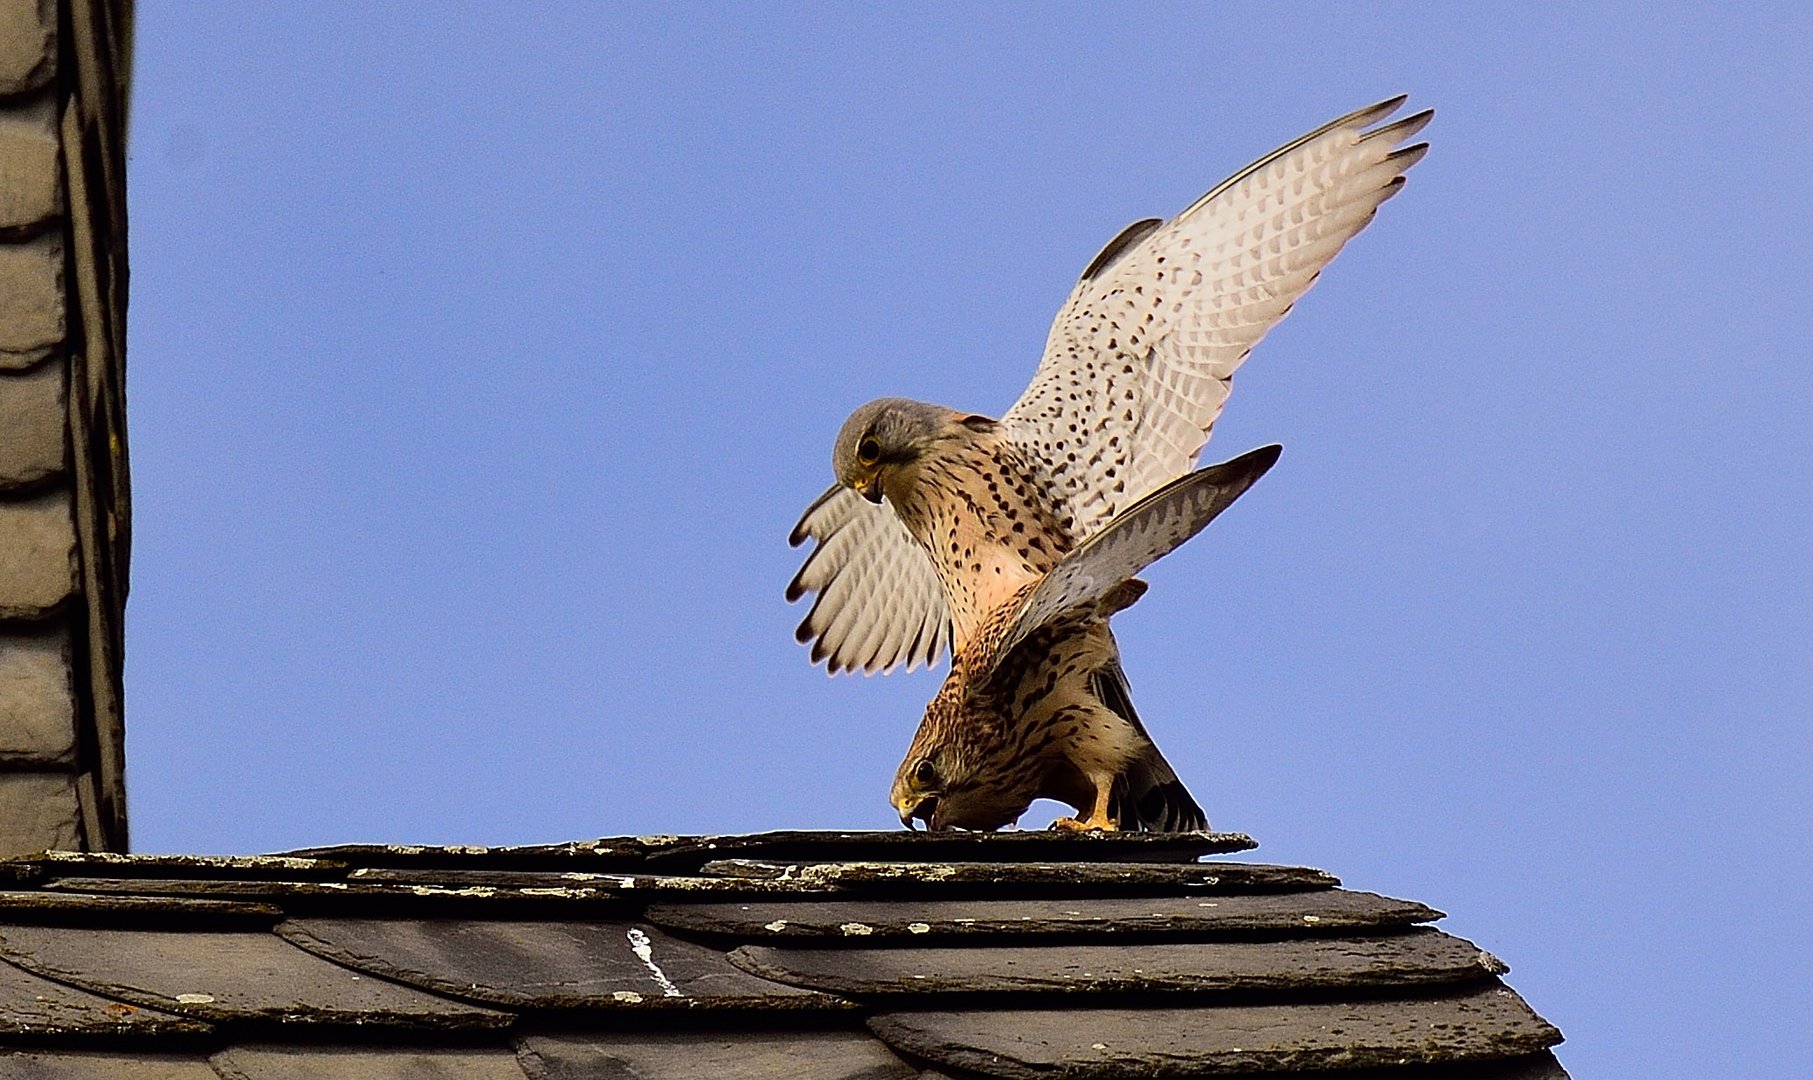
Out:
{"x": 939, "y": 517}
{"x": 1020, "y": 716}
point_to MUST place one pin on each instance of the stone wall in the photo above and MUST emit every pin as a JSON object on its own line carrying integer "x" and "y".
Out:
{"x": 64, "y": 502}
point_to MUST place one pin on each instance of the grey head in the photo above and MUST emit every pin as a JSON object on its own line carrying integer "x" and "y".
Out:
{"x": 888, "y": 433}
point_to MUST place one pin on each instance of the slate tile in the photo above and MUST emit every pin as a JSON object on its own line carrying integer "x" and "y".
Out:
{"x": 179, "y": 866}
{"x": 601, "y": 881}
{"x": 362, "y": 1063}
{"x": 899, "y": 845}
{"x": 1320, "y": 911}
{"x": 1058, "y": 1044}
{"x": 30, "y": 1005}
{"x": 423, "y": 901}
{"x": 1048, "y": 878}
{"x": 601, "y": 854}
{"x": 28, "y": 45}
{"x": 73, "y": 909}
{"x": 687, "y": 1055}
{"x": 31, "y": 163}
{"x": 547, "y": 965}
{"x": 37, "y": 553}
{"x": 32, "y": 300}
{"x": 228, "y": 975}
{"x": 37, "y": 811}
{"x": 1421, "y": 957}
{"x": 32, "y": 423}
{"x": 37, "y": 696}
{"x": 99, "y": 1065}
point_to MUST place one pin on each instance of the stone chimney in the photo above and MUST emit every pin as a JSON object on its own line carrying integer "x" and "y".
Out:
{"x": 64, "y": 496}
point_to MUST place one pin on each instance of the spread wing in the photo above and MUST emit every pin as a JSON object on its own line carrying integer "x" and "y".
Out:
{"x": 1095, "y": 573}
{"x": 879, "y": 600}
{"x": 1140, "y": 358}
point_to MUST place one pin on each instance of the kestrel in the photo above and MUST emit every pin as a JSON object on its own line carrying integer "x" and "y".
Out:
{"x": 1021, "y": 715}
{"x": 1136, "y": 368}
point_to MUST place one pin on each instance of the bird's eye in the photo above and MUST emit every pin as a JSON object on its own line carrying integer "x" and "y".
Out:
{"x": 925, "y": 774}
{"x": 868, "y": 452}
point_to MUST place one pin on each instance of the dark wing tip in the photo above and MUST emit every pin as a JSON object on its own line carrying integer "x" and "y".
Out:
{"x": 1409, "y": 155}
{"x": 1399, "y": 130}
{"x": 1258, "y": 462}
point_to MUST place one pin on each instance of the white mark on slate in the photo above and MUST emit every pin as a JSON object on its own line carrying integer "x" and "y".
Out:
{"x": 856, "y": 929}
{"x": 195, "y": 999}
{"x": 776, "y": 926}
{"x": 645, "y": 952}
{"x": 629, "y": 996}
{"x": 919, "y": 928}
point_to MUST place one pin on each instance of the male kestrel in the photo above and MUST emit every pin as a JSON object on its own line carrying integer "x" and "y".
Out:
{"x": 1136, "y": 368}
{"x": 1020, "y": 716}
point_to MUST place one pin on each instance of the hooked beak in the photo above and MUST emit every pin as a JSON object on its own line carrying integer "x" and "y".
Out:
{"x": 925, "y": 810}
{"x": 869, "y": 487}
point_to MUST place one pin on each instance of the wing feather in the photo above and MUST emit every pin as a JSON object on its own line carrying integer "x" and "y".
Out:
{"x": 1148, "y": 530}
{"x": 1141, "y": 357}
{"x": 879, "y": 601}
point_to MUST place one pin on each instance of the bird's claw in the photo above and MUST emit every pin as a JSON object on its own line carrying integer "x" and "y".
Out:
{"x": 1070, "y": 824}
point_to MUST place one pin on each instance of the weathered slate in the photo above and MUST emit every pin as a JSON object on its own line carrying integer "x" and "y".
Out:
{"x": 33, "y": 306}
{"x": 117, "y": 865}
{"x": 37, "y": 553}
{"x": 32, "y": 426}
{"x": 547, "y": 965}
{"x": 614, "y": 852}
{"x": 28, "y": 45}
{"x": 37, "y": 696}
{"x": 363, "y": 1063}
{"x": 30, "y": 1005}
{"x": 1125, "y": 878}
{"x": 615, "y": 892}
{"x": 899, "y": 845}
{"x": 333, "y": 895}
{"x": 530, "y": 881}
{"x": 1419, "y": 958}
{"x": 683, "y": 1055}
{"x": 242, "y": 976}
{"x": 37, "y": 810}
{"x": 1075, "y": 1044}
{"x": 102, "y": 1065}
{"x": 75, "y": 909}
{"x": 31, "y": 173}
{"x": 1318, "y": 911}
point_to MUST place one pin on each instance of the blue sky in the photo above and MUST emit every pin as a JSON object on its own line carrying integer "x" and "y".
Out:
{"x": 481, "y": 364}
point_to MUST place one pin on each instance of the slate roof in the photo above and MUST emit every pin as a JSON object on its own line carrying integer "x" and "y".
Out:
{"x": 64, "y": 500}
{"x": 839, "y": 955}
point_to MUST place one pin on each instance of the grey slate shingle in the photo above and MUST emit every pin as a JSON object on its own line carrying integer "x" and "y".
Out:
{"x": 37, "y": 697}
{"x": 31, "y": 164}
{"x": 33, "y": 318}
{"x": 33, "y": 445}
{"x": 28, "y": 45}
{"x": 37, "y": 556}
{"x": 380, "y": 961}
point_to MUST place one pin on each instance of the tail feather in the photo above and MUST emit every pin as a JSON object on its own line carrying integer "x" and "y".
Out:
{"x": 1148, "y": 797}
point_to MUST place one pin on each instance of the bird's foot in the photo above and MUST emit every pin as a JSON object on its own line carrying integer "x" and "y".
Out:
{"x": 1070, "y": 824}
